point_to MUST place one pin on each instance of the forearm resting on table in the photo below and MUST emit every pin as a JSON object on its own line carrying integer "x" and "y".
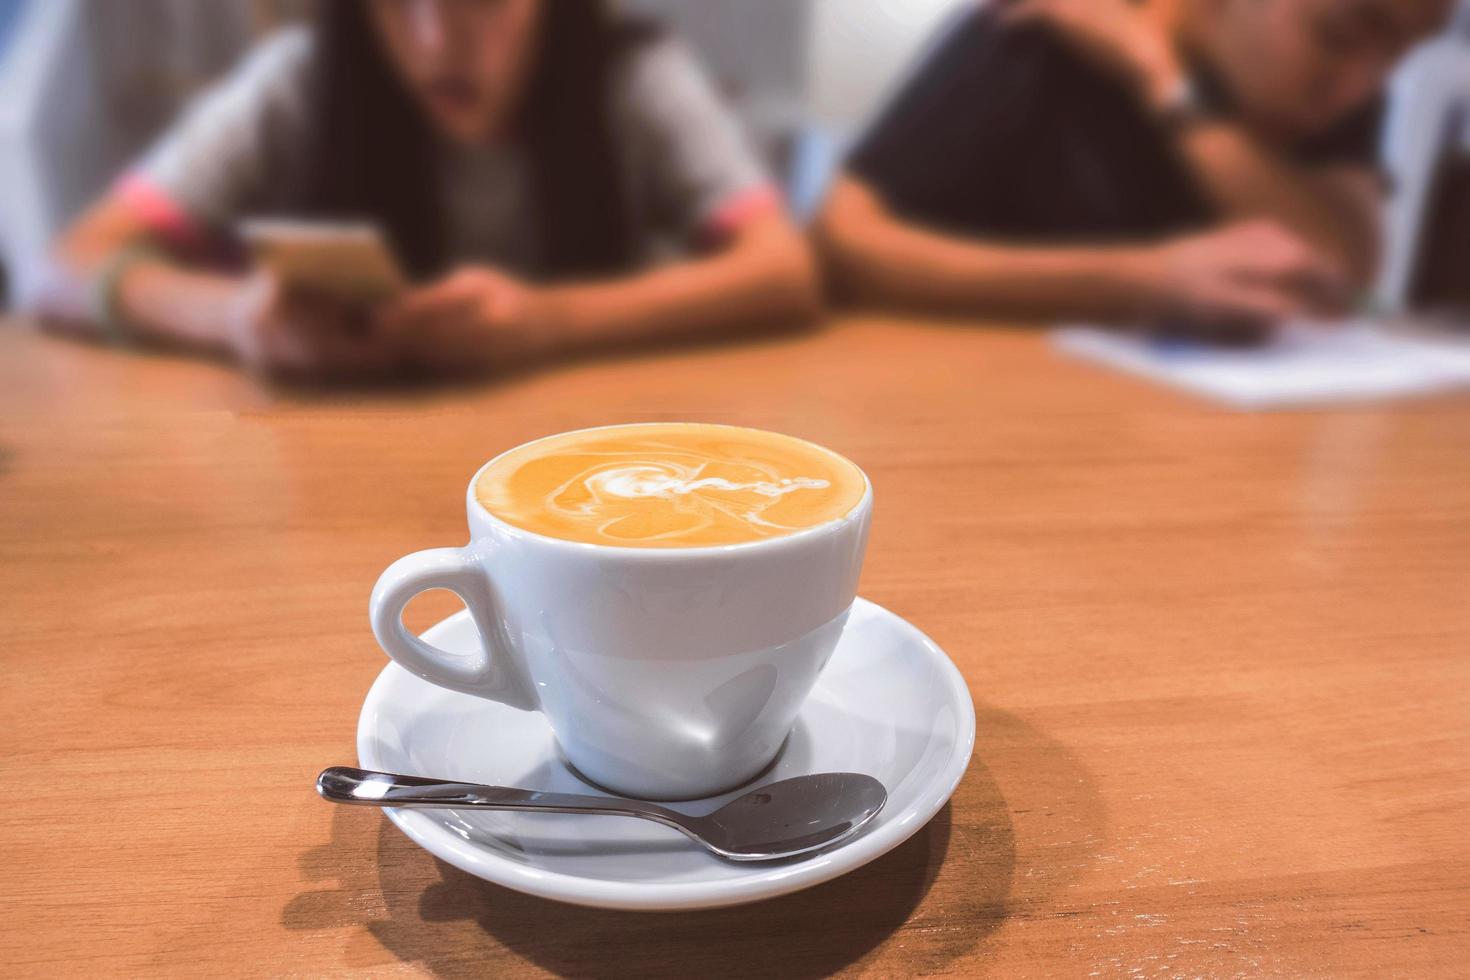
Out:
{"x": 1336, "y": 210}
{"x": 159, "y": 302}
{"x": 878, "y": 259}
{"x": 765, "y": 278}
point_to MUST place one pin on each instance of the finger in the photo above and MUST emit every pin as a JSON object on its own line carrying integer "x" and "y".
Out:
{"x": 1300, "y": 258}
{"x": 1321, "y": 296}
{"x": 301, "y": 339}
{"x": 338, "y": 357}
{"x": 1259, "y": 243}
{"x": 456, "y": 289}
{"x": 281, "y": 354}
{"x": 303, "y": 322}
{"x": 1261, "y": 301}
{"x": 420, "y": 302}
{"x": 264, "y": 277}
{"x": 1267, "y": 253}
{"x": 420, "y": 316}
{"x": 310, "y": 310}
{"x": 262, "y": 294}
{"x": 351, "y": 343}
{"x": 1314, "y": 280}
{"x": 1266, "y": 243}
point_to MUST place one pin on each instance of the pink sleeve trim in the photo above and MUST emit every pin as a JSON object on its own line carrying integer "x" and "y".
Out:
{"x": 739, "y": 210}
{"x": 161, "y": 213}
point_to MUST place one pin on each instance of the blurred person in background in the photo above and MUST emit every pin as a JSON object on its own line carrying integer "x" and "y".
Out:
{"x": 555, "y": 180}
{"x": 1210, "y": 162}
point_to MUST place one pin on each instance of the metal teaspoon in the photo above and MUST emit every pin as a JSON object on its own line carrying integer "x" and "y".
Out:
{"x": 778, "y": 820}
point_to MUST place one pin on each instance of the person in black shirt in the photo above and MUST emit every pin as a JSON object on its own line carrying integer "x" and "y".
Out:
{"x": 1212, "y": 160}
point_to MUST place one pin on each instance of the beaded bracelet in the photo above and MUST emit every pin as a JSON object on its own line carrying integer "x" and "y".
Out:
{"x": 105, "y": 284}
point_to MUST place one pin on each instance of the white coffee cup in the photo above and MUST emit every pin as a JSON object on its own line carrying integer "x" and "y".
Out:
{"x": 666, "y": 673}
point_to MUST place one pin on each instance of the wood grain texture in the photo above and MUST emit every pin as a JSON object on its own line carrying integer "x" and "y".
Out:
{"x": 1219, "y": 661}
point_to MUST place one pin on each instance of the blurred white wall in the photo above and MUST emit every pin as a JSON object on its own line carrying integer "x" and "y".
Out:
{"x": 1429, "y": 98}
{"x": 787, "y": 61}
{"x": 804, "y": 74}
{"x": 756, "y": 50}
{"x": 859, "y": 48}
{"x": 855, "y": 53}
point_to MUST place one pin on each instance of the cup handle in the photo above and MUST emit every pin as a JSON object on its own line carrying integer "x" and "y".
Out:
{"x": 492, "y": 672}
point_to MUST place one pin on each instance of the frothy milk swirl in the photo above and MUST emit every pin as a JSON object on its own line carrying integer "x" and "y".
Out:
{"x": 598, "y": 490}
{"x": 652, "y": 481}
{"x": 671, "y": 485}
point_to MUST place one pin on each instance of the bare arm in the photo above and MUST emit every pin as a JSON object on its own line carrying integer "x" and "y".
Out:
{"x": 875, "y": 258}
{"x": 1336, "y": 209}
{"x": 252, "y": 320}
{"x": 480, "y": 319}
{"x": 1252, "y": 272}
{"x": 764, "y": 276}
{"x": 160, "y": 302}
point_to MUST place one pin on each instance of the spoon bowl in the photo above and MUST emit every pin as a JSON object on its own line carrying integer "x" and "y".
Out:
{"x": 792, "y": 816}
{"x": 778, "y": 820}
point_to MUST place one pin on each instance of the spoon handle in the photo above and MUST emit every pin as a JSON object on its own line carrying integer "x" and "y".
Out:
{"x": 363, "y": 787}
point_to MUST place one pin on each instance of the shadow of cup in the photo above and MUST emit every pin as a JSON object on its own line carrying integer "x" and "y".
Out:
{"x": 950, "y": 887}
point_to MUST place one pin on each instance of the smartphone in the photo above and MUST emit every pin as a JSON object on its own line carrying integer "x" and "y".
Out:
{"x": 349, "y": 261}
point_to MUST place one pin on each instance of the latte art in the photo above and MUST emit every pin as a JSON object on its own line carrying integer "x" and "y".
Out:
{"x": 608, "y": 496}
{"x": 647, "y": 481}
{"x": 669, "y": 485}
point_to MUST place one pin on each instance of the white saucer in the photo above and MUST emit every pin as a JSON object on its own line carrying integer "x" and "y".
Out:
{"x": 889, "y": 703}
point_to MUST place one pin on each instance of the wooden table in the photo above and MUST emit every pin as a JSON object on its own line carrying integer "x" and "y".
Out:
{"x": 1221, "y": 664}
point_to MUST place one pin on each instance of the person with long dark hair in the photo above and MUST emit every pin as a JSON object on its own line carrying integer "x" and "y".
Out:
{"x": 553, "y": 179}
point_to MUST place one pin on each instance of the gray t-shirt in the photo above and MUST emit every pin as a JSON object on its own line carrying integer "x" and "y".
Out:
{"x": 688, "y": 164}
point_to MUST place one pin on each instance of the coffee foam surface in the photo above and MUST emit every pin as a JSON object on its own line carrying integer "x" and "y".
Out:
{"x": 669, "y": 485}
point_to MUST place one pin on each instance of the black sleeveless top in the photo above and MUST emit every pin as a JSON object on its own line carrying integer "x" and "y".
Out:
{"x": 1006, "y": 132}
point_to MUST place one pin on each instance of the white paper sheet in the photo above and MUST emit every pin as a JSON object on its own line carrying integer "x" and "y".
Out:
{"x": 1302, "y": 365}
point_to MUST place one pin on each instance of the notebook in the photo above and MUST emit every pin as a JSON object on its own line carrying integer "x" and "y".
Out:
{"x": 1304, "y": 364}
